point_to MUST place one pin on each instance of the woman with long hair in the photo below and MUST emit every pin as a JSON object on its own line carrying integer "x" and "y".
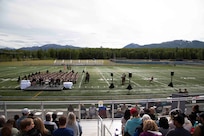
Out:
{"x": 72, "y": 123}
{"x": 41, "y": 127}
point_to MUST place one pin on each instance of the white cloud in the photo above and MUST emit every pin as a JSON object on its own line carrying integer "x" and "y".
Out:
{"x": 95, "y": 23}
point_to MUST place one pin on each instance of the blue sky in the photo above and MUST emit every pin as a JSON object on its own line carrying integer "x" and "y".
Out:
{"x": 99, "y": 23}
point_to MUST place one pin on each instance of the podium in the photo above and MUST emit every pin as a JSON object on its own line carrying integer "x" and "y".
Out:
{"x": 24, "y": 84}
{"x": 68, "y": 85}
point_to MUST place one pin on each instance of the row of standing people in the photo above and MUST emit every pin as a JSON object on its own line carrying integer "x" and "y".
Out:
{"x": 135, "y": 123}
{"x": 92, "y": 111}
{"x": 30, "y": 125}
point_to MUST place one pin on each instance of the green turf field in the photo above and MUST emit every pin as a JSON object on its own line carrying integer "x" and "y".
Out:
{"x": 185, "y": 76}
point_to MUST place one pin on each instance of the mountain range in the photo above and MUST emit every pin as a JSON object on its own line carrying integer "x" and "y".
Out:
{"x": 49, "y": 46}
{"x": 169, "y": 44}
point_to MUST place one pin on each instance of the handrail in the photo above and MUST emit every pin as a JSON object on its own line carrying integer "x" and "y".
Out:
{"x": 102, "y": 128}
{"x": 99, "y": 126}
{"x": 106, "y": 128}
{"x": 104, "y": 101}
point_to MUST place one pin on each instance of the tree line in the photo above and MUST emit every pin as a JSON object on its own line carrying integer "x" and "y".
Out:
{"x": 105, "y": 53}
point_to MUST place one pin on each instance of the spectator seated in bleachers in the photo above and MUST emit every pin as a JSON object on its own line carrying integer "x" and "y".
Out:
{"x": 49, "y": 124}
{"x": 92, "y": 111}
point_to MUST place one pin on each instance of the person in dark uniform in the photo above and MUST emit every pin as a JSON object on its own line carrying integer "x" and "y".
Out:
{"x": 87, "y": 77}
{"x": 151, "y": 79}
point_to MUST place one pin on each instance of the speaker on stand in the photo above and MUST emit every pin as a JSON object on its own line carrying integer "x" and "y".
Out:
{"x": 171, "y": 83}
{"x": 129, "y": 86}
{"x": 111, "y": 85}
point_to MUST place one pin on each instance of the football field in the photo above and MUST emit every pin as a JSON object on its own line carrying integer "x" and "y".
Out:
{"x": 138, "y": 78}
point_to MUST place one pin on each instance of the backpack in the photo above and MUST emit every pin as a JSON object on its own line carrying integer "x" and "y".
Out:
{"x": 136, "y": 133}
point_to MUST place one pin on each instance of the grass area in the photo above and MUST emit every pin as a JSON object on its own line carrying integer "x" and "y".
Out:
{"x": 185, "y": 76}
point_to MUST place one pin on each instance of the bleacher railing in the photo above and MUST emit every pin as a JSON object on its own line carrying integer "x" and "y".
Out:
{"x": 41, "y": 107}
{"x": 102, "y": 128}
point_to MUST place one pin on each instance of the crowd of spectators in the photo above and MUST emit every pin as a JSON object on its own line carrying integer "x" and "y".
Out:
{"x": 147, "y": 123}
{"x": 134, "y": 122}
{"x": 29, "y": 125}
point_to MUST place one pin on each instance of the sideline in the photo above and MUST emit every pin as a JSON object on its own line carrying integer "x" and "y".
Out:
{"x": 37, "y": 94}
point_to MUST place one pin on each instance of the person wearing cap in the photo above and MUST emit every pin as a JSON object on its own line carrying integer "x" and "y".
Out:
{"x": 199, "y": 130}
{"x": 25, "y": 113}
{"x": 178, "y": 121}
{"x": 133, "y": 122}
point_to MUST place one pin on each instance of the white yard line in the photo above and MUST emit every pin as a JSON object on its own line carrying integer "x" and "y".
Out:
{"x": 103, "y": 76}
{"x": 135, "y": 83}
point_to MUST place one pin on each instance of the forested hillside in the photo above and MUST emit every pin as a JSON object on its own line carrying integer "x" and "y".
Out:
{"x": 104, "y": 53}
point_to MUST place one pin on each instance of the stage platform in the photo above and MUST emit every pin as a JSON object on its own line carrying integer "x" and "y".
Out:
{"x": 44, "y": 88}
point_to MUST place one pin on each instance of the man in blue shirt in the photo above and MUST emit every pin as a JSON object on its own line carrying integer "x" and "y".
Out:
{"x": 63, "y": 130}
{"x": 133, "y": 122}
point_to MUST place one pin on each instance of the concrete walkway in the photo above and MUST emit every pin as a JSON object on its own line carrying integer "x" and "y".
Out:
{"x": 89, "y": 127}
